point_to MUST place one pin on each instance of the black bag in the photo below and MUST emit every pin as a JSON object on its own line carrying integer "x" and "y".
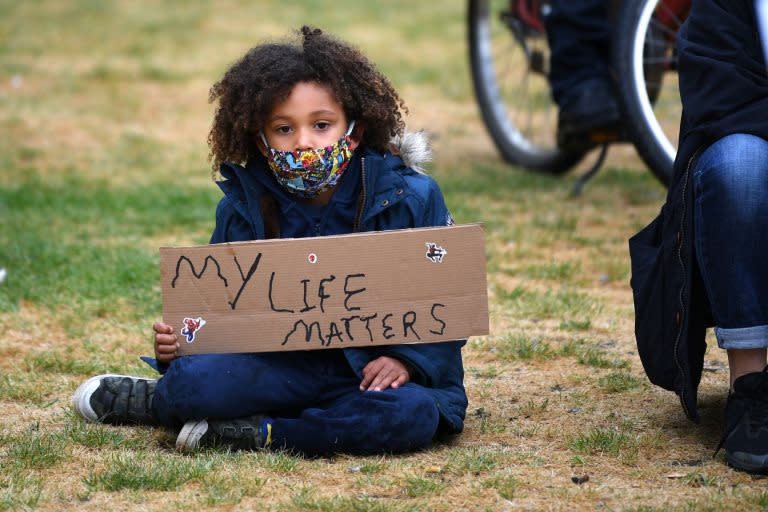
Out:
{"x": 655, "y": 321}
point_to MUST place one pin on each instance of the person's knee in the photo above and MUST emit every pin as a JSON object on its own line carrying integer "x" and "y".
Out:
{"x": 735, "y": 170}
{"x": 422, "y": 414}
{"x": 737, "y": 160}
{"x": 184, "y": 387}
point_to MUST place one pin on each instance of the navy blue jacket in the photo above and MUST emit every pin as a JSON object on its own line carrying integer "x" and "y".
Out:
{"x": 392, "y": 196}
{"x": 724, "y": 90}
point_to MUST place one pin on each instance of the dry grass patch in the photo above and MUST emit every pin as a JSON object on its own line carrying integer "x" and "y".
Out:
{"x": 103, "y": 108}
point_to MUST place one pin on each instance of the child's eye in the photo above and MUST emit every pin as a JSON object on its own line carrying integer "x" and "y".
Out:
{"x": 322, "y": 125}
{"x": 284, "y": 130}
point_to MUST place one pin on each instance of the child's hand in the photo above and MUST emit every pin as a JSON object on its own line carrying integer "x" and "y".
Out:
{"x": 166, "y": 342}
{"x": 384, "y": 372}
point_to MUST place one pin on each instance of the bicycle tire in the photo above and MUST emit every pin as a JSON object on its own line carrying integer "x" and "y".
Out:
{"x": 643, "y": 58}
{"x": 532, "y": 147}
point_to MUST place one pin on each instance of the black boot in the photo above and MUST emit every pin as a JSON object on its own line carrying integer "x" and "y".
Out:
{"x": 588, "y": 116}
{"x": 746, "y": 424}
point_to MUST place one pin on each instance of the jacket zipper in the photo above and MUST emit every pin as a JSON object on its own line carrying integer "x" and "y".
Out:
{"x": 683, "y": 307}
{"x": 359, "y": 215}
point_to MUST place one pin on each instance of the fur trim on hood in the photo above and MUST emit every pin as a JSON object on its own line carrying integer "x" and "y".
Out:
{"x": 413, "y": 148}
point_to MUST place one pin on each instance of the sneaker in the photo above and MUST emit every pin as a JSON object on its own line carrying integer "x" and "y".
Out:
{"x": 746, "y": 424}
{"x": 116, "y": 399}
{"x": 250, "y": 433}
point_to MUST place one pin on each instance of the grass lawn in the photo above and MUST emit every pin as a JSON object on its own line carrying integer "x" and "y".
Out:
{"x": 104, "y": 117}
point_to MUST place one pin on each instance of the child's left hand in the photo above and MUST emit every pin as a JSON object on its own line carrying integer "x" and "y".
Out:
{"x": 384, "y": 372}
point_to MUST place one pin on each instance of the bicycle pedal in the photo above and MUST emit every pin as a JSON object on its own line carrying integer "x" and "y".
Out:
{"x": 605, "y": 137}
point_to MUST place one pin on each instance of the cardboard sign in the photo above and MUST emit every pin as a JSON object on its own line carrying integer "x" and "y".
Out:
{"x": 375, "y": 288}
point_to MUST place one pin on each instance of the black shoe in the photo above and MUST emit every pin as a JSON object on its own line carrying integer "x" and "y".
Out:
{"x": 250, "y": 433}
{"x": 746, "y": 424}
{"x": 588, "y": 116}
{"x": 116, "y": 399}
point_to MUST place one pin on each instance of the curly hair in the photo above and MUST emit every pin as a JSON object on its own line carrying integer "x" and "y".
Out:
{"x": 267, "y": 74}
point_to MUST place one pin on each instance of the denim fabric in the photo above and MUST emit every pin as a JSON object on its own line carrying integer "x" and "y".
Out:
{"x": 369, "y": 422}
{"x": 730, "y": 181}
{"x": 579, "y": 34}
{"x": 312, "y": 397}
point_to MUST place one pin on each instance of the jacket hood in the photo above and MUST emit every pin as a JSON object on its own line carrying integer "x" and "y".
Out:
{"x": 413, "y": 148}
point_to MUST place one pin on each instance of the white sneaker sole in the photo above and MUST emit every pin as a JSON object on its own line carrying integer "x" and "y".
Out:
{"x": 190, "y": 435}
{"x": 81, "y": 400}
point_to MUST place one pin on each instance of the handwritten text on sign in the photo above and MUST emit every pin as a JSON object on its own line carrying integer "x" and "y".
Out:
{"x": 408, "y": 286}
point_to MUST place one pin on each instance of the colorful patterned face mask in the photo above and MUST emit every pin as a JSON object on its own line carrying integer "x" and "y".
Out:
{"x": 307, "y": 173}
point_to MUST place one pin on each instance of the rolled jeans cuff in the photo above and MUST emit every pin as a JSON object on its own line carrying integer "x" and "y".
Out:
{"x": 742, "y": 338}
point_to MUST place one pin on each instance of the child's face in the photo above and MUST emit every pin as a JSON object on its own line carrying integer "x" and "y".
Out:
{"x": 310, "y": 118}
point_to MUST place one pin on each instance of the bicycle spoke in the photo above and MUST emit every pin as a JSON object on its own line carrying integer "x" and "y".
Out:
{"x": 656, "y": 60}
{"x": 529, "y": 112}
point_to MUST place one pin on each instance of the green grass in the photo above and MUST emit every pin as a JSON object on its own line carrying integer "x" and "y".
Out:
{"x": 533, "y": 407}
{"x": 696, "y": 479}
{"x": 141, "y": 472}
{"x": 619, "y": 382}
{"x": 306, "y": 500}
{"x": 417, "y": 486}
{"x": 20, "y": 490}
{"x": 576, "y": 325}
{"x": 506, "y": 486}
{"x": 277, "y": 461}
{"x": 516, "y": 346}
{"x": 592, "y": 356}
{"x": 59, "y": 362}
{"x": 78, "y": 243}
{"x": 601, "y": 442}
{"x": 94, "y": 436}
{"x": 473, "y": 461}
{"x": 561, "y": 303}
{"x": 25, "y": 388}
{"x": 564, "y": 271}
{"x": 33, "y": 449}
{"x": 230, "y": 489}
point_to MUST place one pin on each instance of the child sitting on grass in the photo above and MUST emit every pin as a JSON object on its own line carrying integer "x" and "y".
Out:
{"x": 302, "y": 139}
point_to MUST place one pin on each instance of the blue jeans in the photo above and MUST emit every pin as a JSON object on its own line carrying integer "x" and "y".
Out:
{"x": 579, "y": 35}
{"x": 312, "y": 397}
{"x": 730, "y": 180}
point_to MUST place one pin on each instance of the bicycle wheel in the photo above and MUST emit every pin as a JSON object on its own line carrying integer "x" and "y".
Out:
{"x": 509, "y": 63}
{"x": 645, "y": 60}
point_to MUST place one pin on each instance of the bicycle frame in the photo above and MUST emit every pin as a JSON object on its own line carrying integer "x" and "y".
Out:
{"x": 670, "y": 12}
{"x": 531, "y": 12}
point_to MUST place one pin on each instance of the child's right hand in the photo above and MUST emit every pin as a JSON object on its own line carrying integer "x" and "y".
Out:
{"x": 166, "y": 342}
